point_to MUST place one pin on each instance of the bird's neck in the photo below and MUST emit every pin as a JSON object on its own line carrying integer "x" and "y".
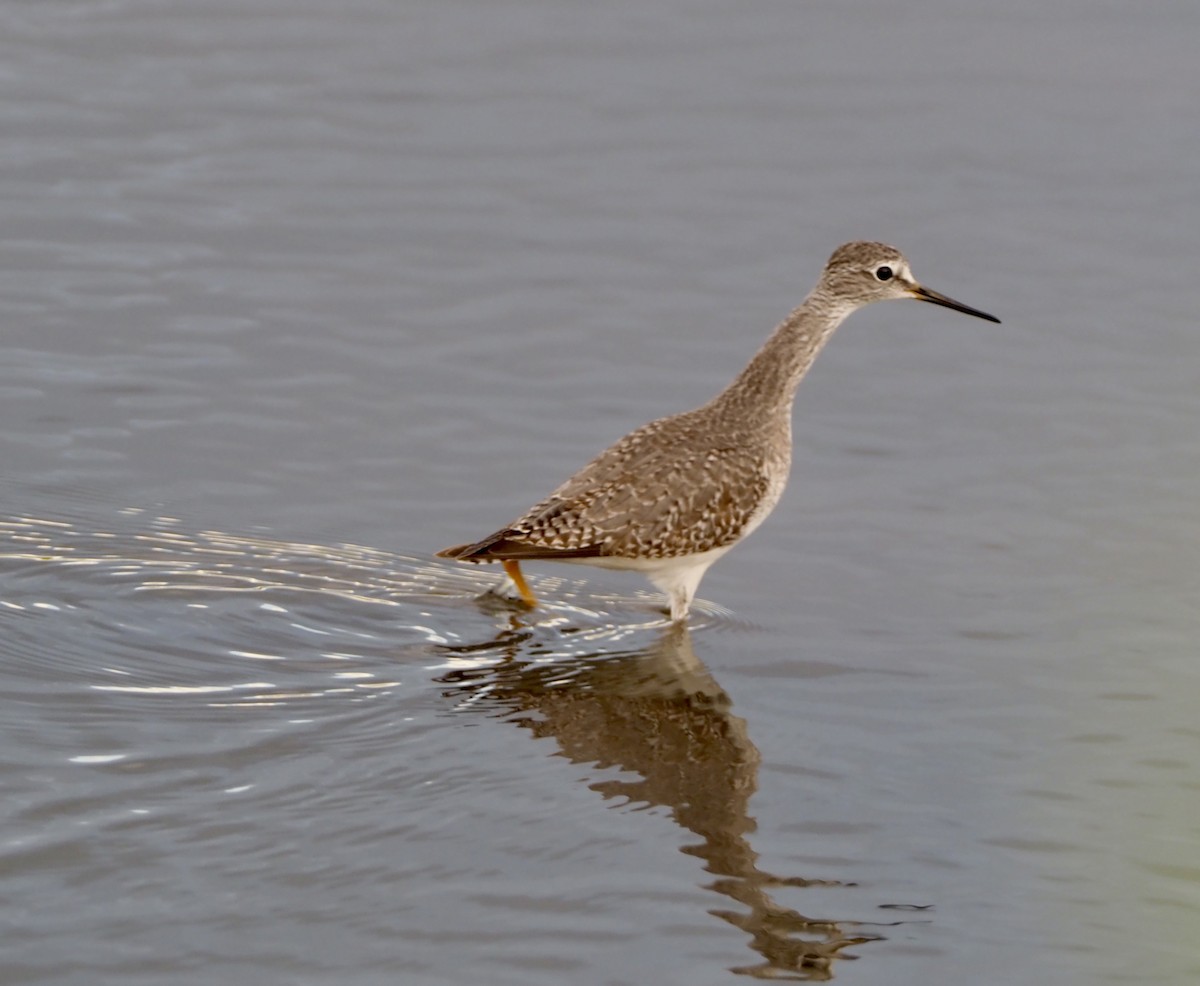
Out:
{"x": 761, "y": 395}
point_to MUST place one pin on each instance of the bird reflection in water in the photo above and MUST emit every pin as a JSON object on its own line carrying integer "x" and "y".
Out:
{"x": 658, "y": 713}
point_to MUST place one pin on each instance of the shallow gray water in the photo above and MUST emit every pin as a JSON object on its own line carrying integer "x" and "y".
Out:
{"x": 293, "y": 295}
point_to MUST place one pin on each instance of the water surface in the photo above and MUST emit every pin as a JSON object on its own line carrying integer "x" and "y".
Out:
{"x": 293, "y": 296}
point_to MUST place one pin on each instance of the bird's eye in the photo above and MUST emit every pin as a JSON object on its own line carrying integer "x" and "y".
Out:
{"x": 883, "y": 273}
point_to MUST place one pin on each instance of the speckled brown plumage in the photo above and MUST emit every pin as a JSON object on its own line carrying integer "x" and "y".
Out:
{"x": 673, "y": 495}
{"x": 661, "y": 492}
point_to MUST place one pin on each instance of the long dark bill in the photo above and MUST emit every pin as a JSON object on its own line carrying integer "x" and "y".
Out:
{"x": 922, "y": 293}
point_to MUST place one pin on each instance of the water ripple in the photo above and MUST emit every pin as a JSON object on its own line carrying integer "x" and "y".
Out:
{"x": 143, "y": 608}
{"x": 165, "y": 678}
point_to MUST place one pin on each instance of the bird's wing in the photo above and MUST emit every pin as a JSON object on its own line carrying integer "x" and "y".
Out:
{"x": 649, "y": 495}
{"x": 665, "y": 503}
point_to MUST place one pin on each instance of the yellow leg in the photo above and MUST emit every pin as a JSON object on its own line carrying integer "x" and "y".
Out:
{"x": 513, "y": 569}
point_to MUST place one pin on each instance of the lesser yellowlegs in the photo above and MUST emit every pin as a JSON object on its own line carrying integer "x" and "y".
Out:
{"x": 672, "y": 497}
